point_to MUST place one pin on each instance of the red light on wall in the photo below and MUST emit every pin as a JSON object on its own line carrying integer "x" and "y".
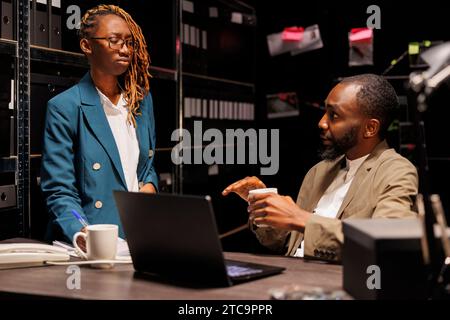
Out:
{"x": 293, "y": 34}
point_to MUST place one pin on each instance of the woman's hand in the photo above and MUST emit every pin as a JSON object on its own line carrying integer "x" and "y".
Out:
{"x": 148, "y": 188}
{"x": 81, "y": 242}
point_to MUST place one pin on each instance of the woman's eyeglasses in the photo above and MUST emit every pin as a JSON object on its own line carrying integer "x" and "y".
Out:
{"x": 117, "y": 43}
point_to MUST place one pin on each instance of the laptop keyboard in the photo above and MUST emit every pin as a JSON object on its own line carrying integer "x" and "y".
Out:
{"x": 239, "y": 271}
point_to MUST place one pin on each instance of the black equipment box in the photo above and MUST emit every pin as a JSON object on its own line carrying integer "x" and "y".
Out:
{"x": 391, "y": 247}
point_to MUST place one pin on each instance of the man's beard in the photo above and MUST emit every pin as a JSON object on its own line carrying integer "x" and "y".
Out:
{"x": 340, "y": 146}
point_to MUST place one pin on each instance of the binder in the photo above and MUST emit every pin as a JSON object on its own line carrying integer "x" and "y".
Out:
{"x": 211, "y": 109}
{"x": 7, "y": 200}
{"x": 40, "y": 26}
{"x": 43, "y": 88}
{"x": 31, "y": 21}
{"x": 187, "y": 107}
{"x": 221, "y": 109}
{"x": 203, "y": 57}
{"x": 192, "y": 52}
{"x": 55, "y": 25}
{"x": 7, "y": 123}
{"x": 194, "y": 38}
{"x": 6, "y": 132}
{"x": 198, "y": 107}
{"x": 187, "y": 47}
{"x": 217, "y": 109}
{"x": 7, "y": 20}
{"x": 5, "y": 90}
{"x": 204, "y": 108}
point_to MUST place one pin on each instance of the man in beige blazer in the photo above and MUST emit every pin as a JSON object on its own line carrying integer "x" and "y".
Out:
{"x": 360, "y": 177}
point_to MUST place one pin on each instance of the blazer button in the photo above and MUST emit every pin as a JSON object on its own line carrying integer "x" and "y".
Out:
{"x": 98, "y": 204}
{"x": 96, "y": 166}
{"x": 150, "y": 153}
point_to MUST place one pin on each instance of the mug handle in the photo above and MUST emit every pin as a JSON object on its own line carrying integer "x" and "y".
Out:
{"x": 77, "y": 248}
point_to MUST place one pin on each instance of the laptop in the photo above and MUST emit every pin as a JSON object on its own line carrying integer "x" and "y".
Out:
{"x": 175, "y": 237}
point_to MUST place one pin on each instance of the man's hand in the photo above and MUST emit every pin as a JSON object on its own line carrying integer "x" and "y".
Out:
{"x": 81, "y": 242}
{"x": 242, "y": 187}
{"x": 148, "y": 188}
{"x": 277, "y": 211}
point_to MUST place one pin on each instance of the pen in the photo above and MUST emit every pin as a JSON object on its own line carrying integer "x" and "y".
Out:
{"x": 80, "y": 218}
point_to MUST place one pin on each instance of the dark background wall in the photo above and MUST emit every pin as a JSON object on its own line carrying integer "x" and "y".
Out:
{"x": 311, "y": 75}
{"x": 314, "y": 73}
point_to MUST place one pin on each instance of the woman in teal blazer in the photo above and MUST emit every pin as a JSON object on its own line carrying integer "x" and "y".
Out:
{"x": 81, "y": 164}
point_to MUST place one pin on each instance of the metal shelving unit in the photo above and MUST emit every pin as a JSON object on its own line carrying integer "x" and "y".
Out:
{"x": 223, "y": 80}
{"x": 44, "y": 59}
{"x": 23, "y": 115}
{"x": 178, "y": 172}
{"x": 74, "y": 59}
{"x": 205, "y": 77}
{"x": 60, "y": 57}
{"x": 24, "y": 54}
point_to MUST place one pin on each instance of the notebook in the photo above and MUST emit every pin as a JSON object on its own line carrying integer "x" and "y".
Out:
{"x": 19, "y": 255}
{"x": 176, "y": 237}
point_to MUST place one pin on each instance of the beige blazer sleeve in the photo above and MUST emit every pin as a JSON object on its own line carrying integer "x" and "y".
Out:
{"x": 389, "y": 193}
{"x": 275, "y": 239}
{"x": 385, "y": 186}
{"x": 271, "y": 238}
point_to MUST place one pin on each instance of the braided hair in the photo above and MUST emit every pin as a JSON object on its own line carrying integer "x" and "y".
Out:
{"x": 136, "y": 78}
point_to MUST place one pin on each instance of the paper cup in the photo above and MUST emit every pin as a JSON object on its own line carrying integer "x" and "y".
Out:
{"x": 262, "y": 191}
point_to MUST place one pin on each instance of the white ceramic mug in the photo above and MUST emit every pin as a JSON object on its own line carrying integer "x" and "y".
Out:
{"x": 262, "y": 191}
{"x": 101, "y": 243}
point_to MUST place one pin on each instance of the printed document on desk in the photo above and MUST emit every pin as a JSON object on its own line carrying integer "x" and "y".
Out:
{"x": 123, "y": 252}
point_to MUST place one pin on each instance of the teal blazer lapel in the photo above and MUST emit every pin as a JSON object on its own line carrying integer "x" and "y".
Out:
{"x": 142, "y": 137}
{"x": 96, "y": 118}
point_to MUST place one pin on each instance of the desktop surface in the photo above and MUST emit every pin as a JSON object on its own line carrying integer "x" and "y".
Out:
{"x": 122, "y": 282}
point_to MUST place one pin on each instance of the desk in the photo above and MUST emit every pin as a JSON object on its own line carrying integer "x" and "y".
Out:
{"x": 120, "y": 282}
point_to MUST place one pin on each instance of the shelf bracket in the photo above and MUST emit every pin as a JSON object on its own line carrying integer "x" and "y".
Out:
{"x": 23, "y": 115}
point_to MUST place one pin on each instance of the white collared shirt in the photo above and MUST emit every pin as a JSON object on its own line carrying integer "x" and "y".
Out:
{"x": 330, "y": 202}
{"x": 125, "y": 137}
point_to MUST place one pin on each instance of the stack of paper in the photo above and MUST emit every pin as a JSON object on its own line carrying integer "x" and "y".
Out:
{"x": 123, "y": 252}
